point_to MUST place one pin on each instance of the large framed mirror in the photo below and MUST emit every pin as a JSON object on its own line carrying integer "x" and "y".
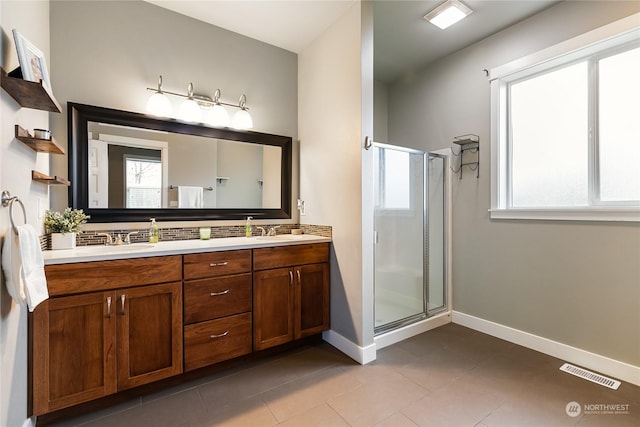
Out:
{"x": 129, "y": 167}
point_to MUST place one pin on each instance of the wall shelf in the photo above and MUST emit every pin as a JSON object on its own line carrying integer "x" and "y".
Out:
{"x": 37, "y": 144}
{"x": 49, "y": 180}
{"x": 28, "y": 94}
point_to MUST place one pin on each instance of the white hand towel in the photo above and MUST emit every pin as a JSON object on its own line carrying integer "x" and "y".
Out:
{"x": 34, "y": 279}
{"x": 11, "y": 265}
{"x": 190, "y": 197}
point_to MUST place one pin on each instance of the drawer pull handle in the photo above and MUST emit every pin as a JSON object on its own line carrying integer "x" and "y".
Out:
{"x": 108, "y": 307}
{"x": 219, "y": 264}
{"x": 215, "y": 294}
{"x": 213, "y": 337}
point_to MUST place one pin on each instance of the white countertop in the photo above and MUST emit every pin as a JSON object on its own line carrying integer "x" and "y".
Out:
{"x": 177, "y": 247}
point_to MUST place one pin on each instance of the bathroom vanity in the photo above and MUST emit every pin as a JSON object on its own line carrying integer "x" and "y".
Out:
{"x": 120, "y": 318}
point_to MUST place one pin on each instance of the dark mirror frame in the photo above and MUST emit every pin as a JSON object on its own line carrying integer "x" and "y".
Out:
{"x": 79, "y": 115}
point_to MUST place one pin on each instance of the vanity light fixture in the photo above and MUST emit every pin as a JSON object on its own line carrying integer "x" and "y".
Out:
{"x": 200, "y": 108}
{"x": 190, "y": 110}
{"x": 242, "y": 119}
{"x": 158, "y": 103}
{"x": 448, "y": 13}
{"x": 217, "y": 115}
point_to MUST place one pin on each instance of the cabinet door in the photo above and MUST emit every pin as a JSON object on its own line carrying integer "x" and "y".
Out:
{"x": 73, "y": 350}
{"x": 272, "y": 308}
{"x": 149, "y": 333}
{"x": 312, "y": 299}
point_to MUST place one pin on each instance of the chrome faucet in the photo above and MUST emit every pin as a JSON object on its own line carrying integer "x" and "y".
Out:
{"x": 109, "y": 241}
{"x": 116, "y": 239}
{"x": 262, "y": 231}
{"x": 127, "y": 240}
{"x": 272, "y": 230}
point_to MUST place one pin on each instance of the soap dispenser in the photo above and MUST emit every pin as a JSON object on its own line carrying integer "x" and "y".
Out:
{"x": 247, "y": 227}
{"x": 153, "y": 231}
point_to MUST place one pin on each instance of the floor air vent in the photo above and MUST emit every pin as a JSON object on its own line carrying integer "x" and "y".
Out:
{"x": 590, "y": 376}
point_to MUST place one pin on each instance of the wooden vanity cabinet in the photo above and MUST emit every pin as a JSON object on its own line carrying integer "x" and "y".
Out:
{"x": 290, "y": 293}
{"x": 217, "y": 307}
{"x": 113, "y": 325}
{"x": 89, "y": 345}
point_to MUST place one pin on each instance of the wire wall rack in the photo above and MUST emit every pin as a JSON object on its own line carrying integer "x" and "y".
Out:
{"x": 468, "y": 153}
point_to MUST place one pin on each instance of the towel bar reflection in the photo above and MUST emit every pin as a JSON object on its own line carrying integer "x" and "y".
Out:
{"x": 175, "y": 187}
{"x": 7, "y": 201}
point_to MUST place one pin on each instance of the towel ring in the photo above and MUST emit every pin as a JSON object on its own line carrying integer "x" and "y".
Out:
{"x": 7, "y": 200}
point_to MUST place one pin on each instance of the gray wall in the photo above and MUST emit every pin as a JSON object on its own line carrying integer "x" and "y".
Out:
{"x": 108, "y": 53}
{"x": 573, "y": 282}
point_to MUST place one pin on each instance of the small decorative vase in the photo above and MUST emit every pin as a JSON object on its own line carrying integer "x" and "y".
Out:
{"x": 63, "y": 241}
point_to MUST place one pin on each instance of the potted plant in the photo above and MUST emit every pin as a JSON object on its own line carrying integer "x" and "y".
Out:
{"x": 64, "y": 227}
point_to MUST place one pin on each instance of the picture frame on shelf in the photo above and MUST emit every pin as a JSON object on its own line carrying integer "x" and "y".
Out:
{"x": 32, "y": 61}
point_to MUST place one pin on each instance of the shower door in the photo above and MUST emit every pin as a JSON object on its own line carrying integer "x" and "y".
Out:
{"x": 400, "y": 221}
{"x": 410, "y": 246}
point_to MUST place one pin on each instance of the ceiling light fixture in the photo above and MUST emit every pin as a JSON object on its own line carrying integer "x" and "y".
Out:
{"x": 200, "y": 108}
{"x": 448, "y": 13}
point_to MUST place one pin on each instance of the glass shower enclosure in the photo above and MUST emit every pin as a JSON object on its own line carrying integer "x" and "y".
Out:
{"x": 409, "y": 221}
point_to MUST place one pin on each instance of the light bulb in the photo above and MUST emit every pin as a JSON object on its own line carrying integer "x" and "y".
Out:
{"x": 159, "y": 105}
{"x": 217, "y": 116}
{"x": 242, "y": 120}
{"x": 190, "y": 111}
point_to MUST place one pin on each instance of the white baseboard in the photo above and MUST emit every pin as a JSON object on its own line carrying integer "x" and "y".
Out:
{"x": 362, "y": 355}
{"x": 602, "y": 364}
{"x": 401, "y": 334}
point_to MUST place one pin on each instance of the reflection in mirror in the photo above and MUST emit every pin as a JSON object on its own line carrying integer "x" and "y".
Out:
{"x": 129, "y": 167}
{"x": 142, "y": 168}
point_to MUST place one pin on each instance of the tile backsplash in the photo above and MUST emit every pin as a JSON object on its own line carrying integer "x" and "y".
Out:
{"x": 187, "y": 233}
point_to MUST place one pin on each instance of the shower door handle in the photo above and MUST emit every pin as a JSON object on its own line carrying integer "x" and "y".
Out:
{"x": 376, "y": 238}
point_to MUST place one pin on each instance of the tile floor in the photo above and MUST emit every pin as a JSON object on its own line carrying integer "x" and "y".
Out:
{"x": 450, "y": 376}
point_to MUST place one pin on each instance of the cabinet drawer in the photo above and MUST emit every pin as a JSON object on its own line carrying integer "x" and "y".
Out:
{"x": 210, "y": 342}
{"x": 106, "y": 275}
{"x": 207, "y": 299}
{"x": 214, "y": 264}
{"x": 287, "y": 256}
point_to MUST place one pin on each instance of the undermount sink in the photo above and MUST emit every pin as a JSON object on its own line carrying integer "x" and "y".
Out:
{"x": 280, "y": 237}
{"x": 103, "y": 249}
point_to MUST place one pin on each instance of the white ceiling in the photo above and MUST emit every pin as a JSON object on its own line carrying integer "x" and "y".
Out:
{"x": 289, "y": 24}
{"x": 402, "y": 41}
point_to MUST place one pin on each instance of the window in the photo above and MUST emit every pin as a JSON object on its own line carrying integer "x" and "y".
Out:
{"x": 566, "y": 131}
{"x": 394, "y": 179}
{"x": 143, "y": 182}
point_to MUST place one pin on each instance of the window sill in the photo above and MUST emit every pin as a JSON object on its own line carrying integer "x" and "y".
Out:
{"x": 569, "y": 214}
